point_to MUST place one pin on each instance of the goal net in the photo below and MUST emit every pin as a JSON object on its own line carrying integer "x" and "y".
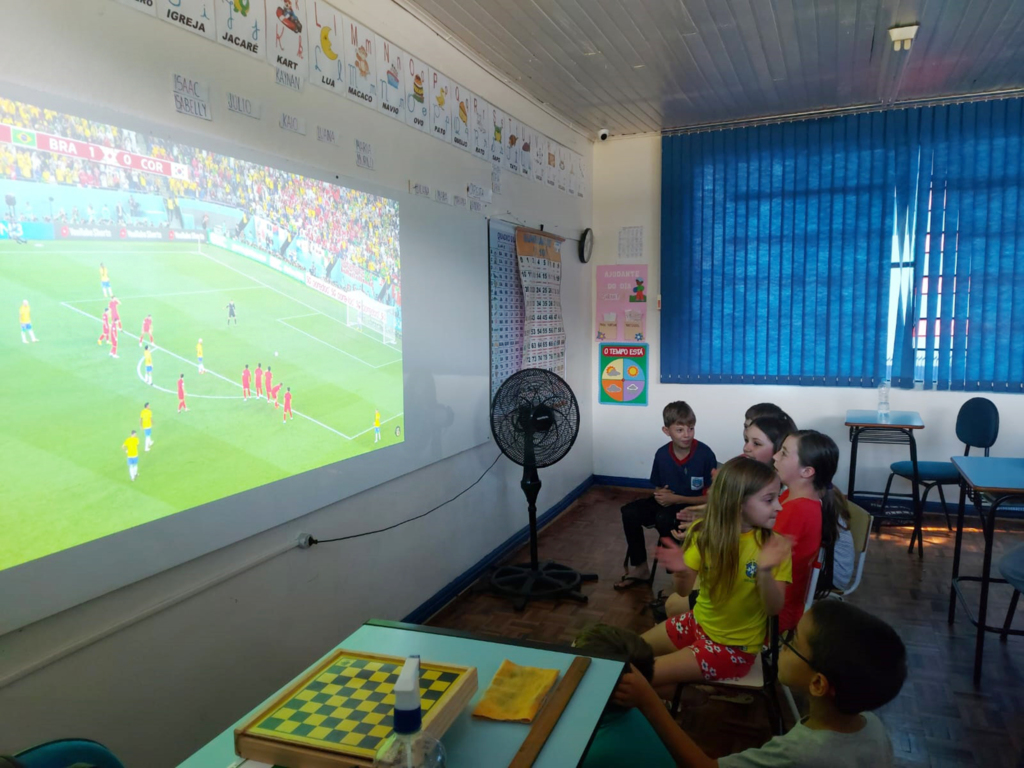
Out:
{"x": 364, "y": 312}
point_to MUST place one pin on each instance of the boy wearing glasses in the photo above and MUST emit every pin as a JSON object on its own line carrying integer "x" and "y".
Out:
{"x": 846, "y": 661}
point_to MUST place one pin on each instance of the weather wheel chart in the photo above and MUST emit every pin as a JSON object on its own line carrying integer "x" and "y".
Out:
{"x": 191, "y": 326}
{"x": 623, "y": 374}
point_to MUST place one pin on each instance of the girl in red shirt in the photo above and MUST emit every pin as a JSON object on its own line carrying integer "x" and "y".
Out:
{"x": 811, "y": 509}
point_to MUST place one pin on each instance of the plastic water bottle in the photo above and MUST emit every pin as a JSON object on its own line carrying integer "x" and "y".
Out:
{"x": 883, "y": 401}
{"x": 408, "y": 746}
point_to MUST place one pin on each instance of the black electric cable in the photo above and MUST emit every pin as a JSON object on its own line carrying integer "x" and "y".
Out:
{"x": 396, "y": 525}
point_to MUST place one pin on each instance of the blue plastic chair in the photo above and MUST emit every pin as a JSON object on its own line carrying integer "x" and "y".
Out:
{"x": 65, "y": 752}
{"x": 977, "y": 426}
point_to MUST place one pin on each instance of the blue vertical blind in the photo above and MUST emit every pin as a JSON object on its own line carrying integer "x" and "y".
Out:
{"x": 961, "y": 324}
{"x": 808, "y": 253}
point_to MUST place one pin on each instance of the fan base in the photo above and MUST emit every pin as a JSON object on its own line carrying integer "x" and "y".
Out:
{"x": 548, "y": 581}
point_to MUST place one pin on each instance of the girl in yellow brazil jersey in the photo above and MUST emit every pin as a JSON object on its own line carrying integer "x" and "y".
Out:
{"x": 743, "y": 568}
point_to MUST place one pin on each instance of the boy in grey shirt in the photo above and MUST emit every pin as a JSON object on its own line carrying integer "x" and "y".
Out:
{"x": 845, "y": 660}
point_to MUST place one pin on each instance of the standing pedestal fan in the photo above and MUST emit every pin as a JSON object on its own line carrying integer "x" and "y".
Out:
{"x": 535, "y": 420}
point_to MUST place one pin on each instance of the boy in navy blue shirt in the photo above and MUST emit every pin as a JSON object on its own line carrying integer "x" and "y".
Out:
{"x": 681, "y": 476}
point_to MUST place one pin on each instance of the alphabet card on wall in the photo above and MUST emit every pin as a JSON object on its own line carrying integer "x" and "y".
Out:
{"x": 361, "y": 63}
{"x": 513, "y": 135}
{"x": 462, "y": 108}
{"x": 194, "y": 15}
{"x": 572, "y": 180}
{"x": 391, "y": 78}
{"x": 482, "y": 128}
{"x": 286, "y": 25}
{"x": 498, "y": 136}
{"x": 416, "y": 94}
{"x": 242, "y": 27}
{"x": 325, "y": 27}
{"x": 440, "y": 106}
{"x": 526, "y": 151}
{"x": 564, "y": 160}
{"x": 551, "y": 163}
{"x": 540, "y": 156}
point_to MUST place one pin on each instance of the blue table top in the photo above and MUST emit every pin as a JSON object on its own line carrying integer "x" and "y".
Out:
{"x": 992, "y": 474}
{"x": 470, "y": 742}
{"x": 895, "y": 420}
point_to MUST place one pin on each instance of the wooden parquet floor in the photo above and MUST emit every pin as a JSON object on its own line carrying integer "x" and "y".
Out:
{"x": 939, "y": 719}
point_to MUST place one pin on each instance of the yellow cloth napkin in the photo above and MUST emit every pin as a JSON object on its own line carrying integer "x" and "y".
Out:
{"x": 516, "y": 693}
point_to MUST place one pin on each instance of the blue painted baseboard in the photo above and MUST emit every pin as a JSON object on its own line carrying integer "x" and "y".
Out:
{"x": 452, "y": 589}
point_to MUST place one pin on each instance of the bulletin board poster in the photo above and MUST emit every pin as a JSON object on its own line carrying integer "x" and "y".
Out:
{"x": 540, "y": 272}
{"x": 621, "y": 312}
{"x": 623, "y": 374}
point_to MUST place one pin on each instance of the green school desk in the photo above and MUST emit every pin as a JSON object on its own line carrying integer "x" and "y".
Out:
{"x": 471, "y": 742}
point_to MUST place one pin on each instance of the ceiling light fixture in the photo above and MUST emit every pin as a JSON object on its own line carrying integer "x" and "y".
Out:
{"x": 903, "y": 36}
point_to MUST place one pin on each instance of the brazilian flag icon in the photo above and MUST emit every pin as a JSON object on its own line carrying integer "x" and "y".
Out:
{"x": 24, "y": 138}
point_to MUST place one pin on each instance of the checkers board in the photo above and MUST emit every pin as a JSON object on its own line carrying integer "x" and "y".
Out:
{"x": 341, "y": 713}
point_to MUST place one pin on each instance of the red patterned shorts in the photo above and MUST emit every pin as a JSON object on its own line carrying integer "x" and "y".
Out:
{"x": 717, "y": 661}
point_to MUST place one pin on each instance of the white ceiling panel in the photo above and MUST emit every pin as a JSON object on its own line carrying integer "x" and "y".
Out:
{"x": 635, "y": 66}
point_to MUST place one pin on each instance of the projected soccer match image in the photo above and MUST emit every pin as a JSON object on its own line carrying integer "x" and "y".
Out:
{"x": 189, "y": 326}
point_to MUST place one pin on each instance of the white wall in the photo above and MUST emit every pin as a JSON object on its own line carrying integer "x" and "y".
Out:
{"x": 627, "y": 185}
{"x": 157, "y": 689}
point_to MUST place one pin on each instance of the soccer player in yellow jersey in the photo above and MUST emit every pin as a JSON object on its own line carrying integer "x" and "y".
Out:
{"x": 131, "y": 447}
{"x": 199, "y": 356}
{"x": 376, "y": 426}
{"x": 25, "y": 315}
{"x": 146, "y": 422}
{"x": 105, "y": 281}
{"x": 147, "y": 357}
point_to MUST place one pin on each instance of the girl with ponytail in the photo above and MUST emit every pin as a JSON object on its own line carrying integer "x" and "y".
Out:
{"x": 813, "y": 514}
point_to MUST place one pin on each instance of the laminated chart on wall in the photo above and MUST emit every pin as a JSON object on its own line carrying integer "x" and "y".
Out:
{"x": 621, "y": 311}
{"x": 360, "y": 63}
{"x": 391, "y": 64}
{"x": 462, "y": 120}
{"x": 441, "y": 98}
{"x": 416, "y": 86}
{"x": 286, "y": 35}
{"x": 482, "y": 129}
{"x": 325, "y": 28}
{"x": 242, "y": 26}
{"x": 497, "y": 147}
{"x": 507, "y": 312}
{"x": 623, "y": 373}
{"x": 197, "y": 16}
{"x": 540, "y": 271}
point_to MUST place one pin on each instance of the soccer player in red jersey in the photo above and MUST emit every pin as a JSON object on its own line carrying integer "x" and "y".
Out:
{"x": 273, "y": 393}
{"x": 115, "y": 318}
{"x": 259, "y": 380}
{"x": 246, "y": 376}
{"x": 181, "y": 394}
{"x": 147, "y": 327}
{"x": 113, "y": 339}
{"x": 288, "y": 404}
{"x": 268, "y": 379}
{"x": 105, "y": 336}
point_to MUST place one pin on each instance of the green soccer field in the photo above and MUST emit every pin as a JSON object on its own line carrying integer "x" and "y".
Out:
{"x": 68, "y": 406}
